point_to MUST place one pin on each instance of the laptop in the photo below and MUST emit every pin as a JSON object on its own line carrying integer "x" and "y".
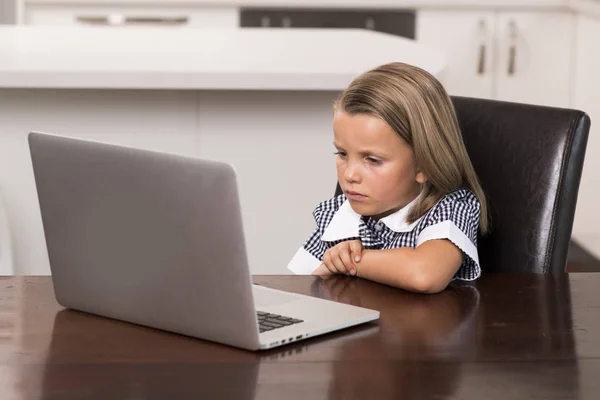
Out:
{"x": 156, "y": 239}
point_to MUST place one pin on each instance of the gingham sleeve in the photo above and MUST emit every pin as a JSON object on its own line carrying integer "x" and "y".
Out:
{"x": 310, "y": 255}
{"x": 456, "y": 218}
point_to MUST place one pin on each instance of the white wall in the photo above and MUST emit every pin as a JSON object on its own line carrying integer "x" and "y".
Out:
{"x": 586, "y": 96}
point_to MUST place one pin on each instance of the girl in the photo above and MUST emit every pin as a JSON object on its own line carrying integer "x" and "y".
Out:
{"x": 412, "y": 205}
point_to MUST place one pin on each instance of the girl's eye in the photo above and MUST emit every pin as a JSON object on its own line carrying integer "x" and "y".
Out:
{"x": 373, "y": 161}
{"x": 340, "y": 153}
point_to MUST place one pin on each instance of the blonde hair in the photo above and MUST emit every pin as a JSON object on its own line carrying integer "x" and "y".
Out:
{"x": 417, "y": 107}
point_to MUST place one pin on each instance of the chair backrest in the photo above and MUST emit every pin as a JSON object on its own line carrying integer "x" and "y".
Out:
{"x": 529, "y": 160}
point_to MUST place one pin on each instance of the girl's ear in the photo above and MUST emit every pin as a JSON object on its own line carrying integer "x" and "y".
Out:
{"x": 421, "y": 178}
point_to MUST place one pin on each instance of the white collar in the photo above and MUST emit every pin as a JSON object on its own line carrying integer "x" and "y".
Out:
{"x": 345, "y": 221}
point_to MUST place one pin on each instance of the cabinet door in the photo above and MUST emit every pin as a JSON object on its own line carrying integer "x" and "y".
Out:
{"x": 466, "y": 39}
{"x": 534, "y": 57}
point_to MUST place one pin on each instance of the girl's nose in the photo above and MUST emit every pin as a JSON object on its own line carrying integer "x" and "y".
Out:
{"x": 351, "y": 174}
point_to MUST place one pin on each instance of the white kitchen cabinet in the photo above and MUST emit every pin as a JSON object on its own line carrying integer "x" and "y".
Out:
{"x": 198, "y": 17}
{"x": 534, "y": 57}
{"x": 466, "y": 39}
{"x": 505, "y": 55}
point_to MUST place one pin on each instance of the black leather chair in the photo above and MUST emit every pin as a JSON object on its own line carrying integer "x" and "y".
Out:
{"x": 529, "y": 161}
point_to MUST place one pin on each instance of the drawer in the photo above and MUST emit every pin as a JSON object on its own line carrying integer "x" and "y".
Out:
{"x": 198, "y": 17}
{"x": 395, "y": 22}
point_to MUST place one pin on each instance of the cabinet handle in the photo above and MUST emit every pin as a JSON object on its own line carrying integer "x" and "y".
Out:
{"x": 512, "y": 49}
{"x": 482, "y": 48}
{"x": 117, "y": 19}
{"x": 370, "y": 23}
{"x": 265, "y": 22}
{"x": 481, "y": 62}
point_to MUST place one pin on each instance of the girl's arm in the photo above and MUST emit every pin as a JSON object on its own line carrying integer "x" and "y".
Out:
{"x": 427, "y": 269}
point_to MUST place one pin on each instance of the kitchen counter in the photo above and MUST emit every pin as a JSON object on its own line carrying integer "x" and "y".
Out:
{"x": 146, "y": 58}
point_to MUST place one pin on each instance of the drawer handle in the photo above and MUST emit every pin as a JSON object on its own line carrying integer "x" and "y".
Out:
{"x": 117, "y": 19}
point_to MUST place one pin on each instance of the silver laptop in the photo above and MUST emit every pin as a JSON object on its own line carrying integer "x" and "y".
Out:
{"x": 156, "y": 239}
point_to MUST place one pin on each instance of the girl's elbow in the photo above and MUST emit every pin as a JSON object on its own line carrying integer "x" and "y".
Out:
{"x": 426, "y": 285}
{"x": 425, "y": 277}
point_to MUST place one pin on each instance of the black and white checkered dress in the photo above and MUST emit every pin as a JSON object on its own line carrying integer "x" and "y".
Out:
{"x": 455, "y": 217}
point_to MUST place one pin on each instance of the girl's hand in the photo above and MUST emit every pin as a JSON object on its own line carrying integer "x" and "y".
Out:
{"x": 322, "y": 271}
{"x": 342, "y": 258}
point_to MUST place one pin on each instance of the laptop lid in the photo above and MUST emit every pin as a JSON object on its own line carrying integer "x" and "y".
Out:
{"x": 145, "y": 237}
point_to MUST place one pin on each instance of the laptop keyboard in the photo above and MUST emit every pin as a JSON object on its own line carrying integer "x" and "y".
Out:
{"x": 268, "y": 322}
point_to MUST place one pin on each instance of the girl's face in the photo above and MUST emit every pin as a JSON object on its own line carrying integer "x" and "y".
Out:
{"x": 375, "y": 167}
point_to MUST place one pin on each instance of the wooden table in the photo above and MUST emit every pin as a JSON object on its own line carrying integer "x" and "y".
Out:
{"x": 503, "y": 337}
